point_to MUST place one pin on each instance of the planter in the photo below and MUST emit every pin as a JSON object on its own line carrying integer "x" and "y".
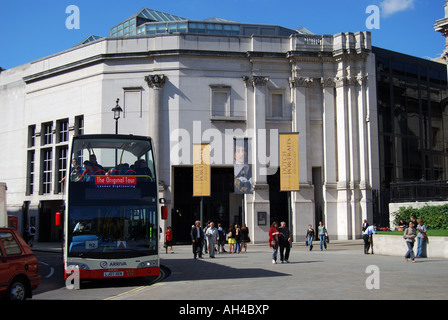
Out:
{"x": 396, "y": 246}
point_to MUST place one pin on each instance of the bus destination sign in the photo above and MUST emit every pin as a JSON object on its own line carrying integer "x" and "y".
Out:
{"x": 115, "y": 181}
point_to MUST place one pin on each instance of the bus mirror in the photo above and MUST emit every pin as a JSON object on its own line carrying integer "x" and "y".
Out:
{"x": 164, "y": 212}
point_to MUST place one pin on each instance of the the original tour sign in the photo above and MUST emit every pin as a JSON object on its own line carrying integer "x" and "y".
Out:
{"x": 201, "y": 170}
{"x": 115, "y": 181}
{"x": 289, "y": 161}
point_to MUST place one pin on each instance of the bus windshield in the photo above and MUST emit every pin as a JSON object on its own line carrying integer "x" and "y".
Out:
{"x": 112, "y": 198}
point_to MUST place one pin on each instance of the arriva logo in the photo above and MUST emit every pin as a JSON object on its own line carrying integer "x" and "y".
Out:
{"x": 113, "y": 264}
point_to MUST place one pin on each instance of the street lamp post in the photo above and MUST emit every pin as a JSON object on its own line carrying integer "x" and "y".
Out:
{"x": 117, "y": 112}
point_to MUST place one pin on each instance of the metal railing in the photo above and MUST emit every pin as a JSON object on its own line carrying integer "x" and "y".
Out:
{"x": 419, "y": 191}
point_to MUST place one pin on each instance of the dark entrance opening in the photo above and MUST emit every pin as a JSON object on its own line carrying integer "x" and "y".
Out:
{"x": 223, "y": 206}
{"x": 278, "y": 200}
{"x": 47, "y": 230}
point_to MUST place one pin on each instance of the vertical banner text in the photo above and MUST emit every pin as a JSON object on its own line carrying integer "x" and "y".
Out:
{"x": 201, "y": 170}
{"x": 289, "y": 161}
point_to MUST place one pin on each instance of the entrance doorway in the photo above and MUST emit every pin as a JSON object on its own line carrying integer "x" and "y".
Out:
{"x": 278, "y": 200}
{"x": 47, "y": 230}
{"x": 223, "y": 206}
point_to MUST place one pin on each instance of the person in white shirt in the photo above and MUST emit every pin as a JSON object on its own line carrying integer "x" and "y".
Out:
{"x": 368, "y": 239}
{"x": 212, "y": 235}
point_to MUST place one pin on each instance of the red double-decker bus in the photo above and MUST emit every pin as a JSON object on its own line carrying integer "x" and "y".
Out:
{"x": 111, "y": 217}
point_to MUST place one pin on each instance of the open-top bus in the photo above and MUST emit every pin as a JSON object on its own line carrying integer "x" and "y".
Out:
{"x": 111, "y": 217}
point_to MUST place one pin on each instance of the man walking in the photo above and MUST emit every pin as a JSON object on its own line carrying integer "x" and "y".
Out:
{"x": 196, "y": 238}
{"x": 284, "y": 242}
{"x": 212, "y": 235}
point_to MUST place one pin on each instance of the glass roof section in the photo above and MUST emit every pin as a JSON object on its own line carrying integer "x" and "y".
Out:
{"x": 158, "y": 16}
{"x": 89, "y": 39}
{"x": 149, "y": 22}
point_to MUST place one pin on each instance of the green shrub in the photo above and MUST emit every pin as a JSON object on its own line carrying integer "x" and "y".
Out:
{"x": 434, "y": 217}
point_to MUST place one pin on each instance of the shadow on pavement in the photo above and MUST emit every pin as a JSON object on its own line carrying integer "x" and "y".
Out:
{"x": 200, "y": 269}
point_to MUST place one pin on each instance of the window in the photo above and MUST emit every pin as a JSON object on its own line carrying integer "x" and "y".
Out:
{"x": 277, "y": 105}
{"x": 10, "y": 244}
{"x": 276, "y": 108}
{"x": 132, "y": 102}
{"x": 220, "y": 96}
{"x": 30, "y": 170}
{"x": 47, "y": 133}
{"x": 62, "y": 129}
{"x": 46, "y": 170}
{"x": 79, "y": 125}
{"x": 62, "y": 167}
{"x": 31, "y": 136}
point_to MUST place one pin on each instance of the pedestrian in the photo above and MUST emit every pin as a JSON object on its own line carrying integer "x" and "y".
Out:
{"x": 231, "y": 238}
{"x": 322, "y": 232}
{"x": 284, "y": 242}
{"x": 273, "y": 240}
{"x": 310, "y": 236}
{"x": 409, "y": 235}
{"x": 205, "y": 243}
{"x": 222, "y": 239}
{"x": 367, "y": 236}
{"x": 244, "y": 236}
{"x": 364, "y": 225}
{"x": 212, "y": 235}
{"x": 169, "y": 239}
{"x": 197, "y": 239}
{"x": 31, "y": 235}
{"x": 421, "y": 237}
{"x": 237, "y": 239}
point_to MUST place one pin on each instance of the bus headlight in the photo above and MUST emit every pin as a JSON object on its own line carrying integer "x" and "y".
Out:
{"x": 78, "y": 266}
{"x": 148, "y": 264}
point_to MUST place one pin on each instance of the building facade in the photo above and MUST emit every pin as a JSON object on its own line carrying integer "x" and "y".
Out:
{"x": 211, "y": 82}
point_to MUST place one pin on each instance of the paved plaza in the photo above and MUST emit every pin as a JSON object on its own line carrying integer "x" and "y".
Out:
{"x": 341, "y": 272}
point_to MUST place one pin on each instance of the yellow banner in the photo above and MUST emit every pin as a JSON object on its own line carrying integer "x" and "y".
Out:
{"x": 289, "y": 161}
{"x": 201, "y": 170}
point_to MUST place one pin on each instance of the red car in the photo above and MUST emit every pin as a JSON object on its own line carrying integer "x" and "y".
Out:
{"x": 19, "y": 271}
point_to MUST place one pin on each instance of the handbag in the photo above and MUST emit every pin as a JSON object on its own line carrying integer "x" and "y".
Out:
{"x": 327, "y": 238}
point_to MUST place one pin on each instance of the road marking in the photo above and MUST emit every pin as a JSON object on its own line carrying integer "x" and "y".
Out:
{"x": 51, "y": 269}
{"x": 154, "y": 283}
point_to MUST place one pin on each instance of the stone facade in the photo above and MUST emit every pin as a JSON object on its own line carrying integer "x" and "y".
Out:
{"x": 320, "y": 86}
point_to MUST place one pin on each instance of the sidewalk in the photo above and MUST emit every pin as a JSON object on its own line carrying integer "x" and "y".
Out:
{"x": 342, "y": 272}
{"x": 55, "y": 247}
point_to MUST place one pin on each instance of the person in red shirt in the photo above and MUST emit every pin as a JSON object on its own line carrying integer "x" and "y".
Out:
{"x": 273, "y": 240}
{"x": 169, "y": 239}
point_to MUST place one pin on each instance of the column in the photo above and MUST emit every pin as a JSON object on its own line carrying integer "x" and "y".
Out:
{"x": 258, "y": 201}
{"x": 343, "y": 156}
{"x": 330, "y": 193}
{"x": 365, "y": 188}
{"x": 156, "y": 82}
{"x": 156, "y": 125}
{"x": 302, "y": 202}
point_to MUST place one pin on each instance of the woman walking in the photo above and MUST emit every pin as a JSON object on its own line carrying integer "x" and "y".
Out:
{"x": 273, "y": 240}
{"x": 409, "y": 235}
{"x": 322, "y": 232}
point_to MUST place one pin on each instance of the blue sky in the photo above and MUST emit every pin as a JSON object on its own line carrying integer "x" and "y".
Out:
{"x": 31, "y": 30}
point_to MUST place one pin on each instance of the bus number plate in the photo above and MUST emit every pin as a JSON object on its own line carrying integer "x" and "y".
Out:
{"x": 113, "y": 274}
